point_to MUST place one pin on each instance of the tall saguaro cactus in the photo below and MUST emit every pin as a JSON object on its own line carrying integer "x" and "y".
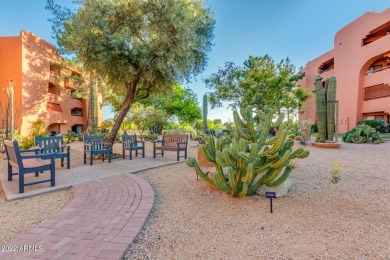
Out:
{"x": 252, "y": 158}
{"x": 330, "y": 86}
{"x": 205, "y": 104}
{"x": 325, "y": 106}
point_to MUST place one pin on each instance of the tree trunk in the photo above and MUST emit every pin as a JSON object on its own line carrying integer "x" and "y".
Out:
{"x": 128, "y": 100}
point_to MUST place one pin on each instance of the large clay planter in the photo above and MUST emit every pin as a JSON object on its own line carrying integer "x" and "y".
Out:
{"x": 202, "y": 162}
{"x": 326, "y": 145}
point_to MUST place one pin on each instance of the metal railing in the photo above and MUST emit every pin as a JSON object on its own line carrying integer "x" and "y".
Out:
{"x": 369, "y": 72}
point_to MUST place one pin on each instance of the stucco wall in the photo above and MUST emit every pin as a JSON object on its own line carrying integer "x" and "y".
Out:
{"x": 352, "y": 60}
{"x": 26, "y": 59}
{"x": 10, "y": 64}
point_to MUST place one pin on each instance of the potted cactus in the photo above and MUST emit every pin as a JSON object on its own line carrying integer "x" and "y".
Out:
{"x": 251, "y": 158}
{"x": 326, "y": 112}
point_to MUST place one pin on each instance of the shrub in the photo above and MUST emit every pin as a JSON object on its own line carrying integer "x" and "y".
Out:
{"x": 38, "y": 128}
{"x": 362, "y": 134}
{"x": 336, "y": 172}
{"x": 380, "y": 125}
{"x": 294, "y": 128}
{"x": 149, "y": 137}
{"x": 314, "y": 128}
{"x": 70, "y": 136}
{"x": 304, "y": 128}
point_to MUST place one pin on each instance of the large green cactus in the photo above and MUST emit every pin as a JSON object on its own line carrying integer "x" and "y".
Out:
{"x": 330, "y": 86}
{"x": 252, "y": 159}
{"x": 325, "y": 106}
{"x": 320, "y": 107}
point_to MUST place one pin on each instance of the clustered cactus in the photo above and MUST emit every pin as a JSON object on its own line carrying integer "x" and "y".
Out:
{"x": 363, "y": 133}
{"x": 325, "y": 107}
{"x": 252, "y": 158}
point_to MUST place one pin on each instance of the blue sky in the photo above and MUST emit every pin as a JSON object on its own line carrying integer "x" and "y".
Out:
{"x": 299, "y": 29}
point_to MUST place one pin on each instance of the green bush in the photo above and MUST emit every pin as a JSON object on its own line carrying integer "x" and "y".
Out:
{"x": 362, "y": 134}
{"x": 149, "y": 137}
{"x": 379, "y": 124}
{"x": 70, "y": 136}
{"x": 38, "y": 128}
{"x": 314, "y": 128}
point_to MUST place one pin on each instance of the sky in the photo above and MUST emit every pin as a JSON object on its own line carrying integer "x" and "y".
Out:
{"x": 298, "y": 29}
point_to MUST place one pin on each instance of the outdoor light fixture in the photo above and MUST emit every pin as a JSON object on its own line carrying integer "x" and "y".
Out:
{"x": 270, "y": 196}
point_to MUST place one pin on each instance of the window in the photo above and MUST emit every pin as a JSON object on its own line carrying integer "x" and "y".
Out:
{"x": 376, "y": 91}
{"x": 54, "y": 107}
{"x": 53, "y": 89}
{"x": 377, "y": 33}
{"x": 326, "y": 66}
{"x": 76, "y": 111}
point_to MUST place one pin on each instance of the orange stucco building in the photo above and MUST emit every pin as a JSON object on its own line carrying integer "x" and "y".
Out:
{"x": 40, "y": 91}
{"x": 360, "y": 60}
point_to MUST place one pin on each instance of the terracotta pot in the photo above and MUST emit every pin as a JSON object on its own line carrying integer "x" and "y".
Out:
{"x": 202, "y": 162}
{"x": 326, "y": 145}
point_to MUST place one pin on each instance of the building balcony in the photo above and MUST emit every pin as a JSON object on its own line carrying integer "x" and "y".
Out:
{"x": 377, "y": 77}
{"x": 54, "y": 78}
{"x": 377, "y": 91}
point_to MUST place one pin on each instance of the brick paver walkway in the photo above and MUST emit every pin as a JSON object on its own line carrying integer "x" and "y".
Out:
{"x": 100, "y": 223}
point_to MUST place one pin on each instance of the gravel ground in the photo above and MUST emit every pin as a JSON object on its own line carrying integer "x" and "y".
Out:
{"x": 20, "y": 215}
{"x": 317, "y": 220}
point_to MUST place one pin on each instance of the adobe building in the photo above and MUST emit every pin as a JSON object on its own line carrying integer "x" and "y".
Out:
{"x": 40, "y": 91}
{"x": 360, "y": 60}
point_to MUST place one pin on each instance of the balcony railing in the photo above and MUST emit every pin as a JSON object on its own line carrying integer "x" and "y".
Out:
{"x": 323, "y": 71}
{"x": 377, "y": 91}
{"x": 369, "y": 72}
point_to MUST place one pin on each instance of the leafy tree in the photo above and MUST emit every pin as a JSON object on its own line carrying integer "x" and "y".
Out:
{"x": 217, "y": 122}
{"x": 137, "y": 47}
{"x": 146, "y": 117}
{"x": 260, "y": 82}
{"x": 181, "y": 103}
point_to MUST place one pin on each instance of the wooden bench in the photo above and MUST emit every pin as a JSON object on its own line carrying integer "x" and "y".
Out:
{"x": 94, "y": 144}
{"x": 171, "y": 143}
{"x": 130, "y": 142}
{"x": 28, "y": 164}
{"x": 55, "y": 145}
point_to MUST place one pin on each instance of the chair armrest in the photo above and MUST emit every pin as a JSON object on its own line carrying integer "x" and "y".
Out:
{"x": 180, "y": 143}
{"x": 157, "y": 141}
{"x": 41, "y": 156}
{"x": 32, "y": 149}
{"x": 65, "y": 146}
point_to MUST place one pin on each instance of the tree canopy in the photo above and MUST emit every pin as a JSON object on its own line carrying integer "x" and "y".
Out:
{"x": 181, "y": 103}
{"x": 260, "y": 82}
{"x": 137, "y": 47}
